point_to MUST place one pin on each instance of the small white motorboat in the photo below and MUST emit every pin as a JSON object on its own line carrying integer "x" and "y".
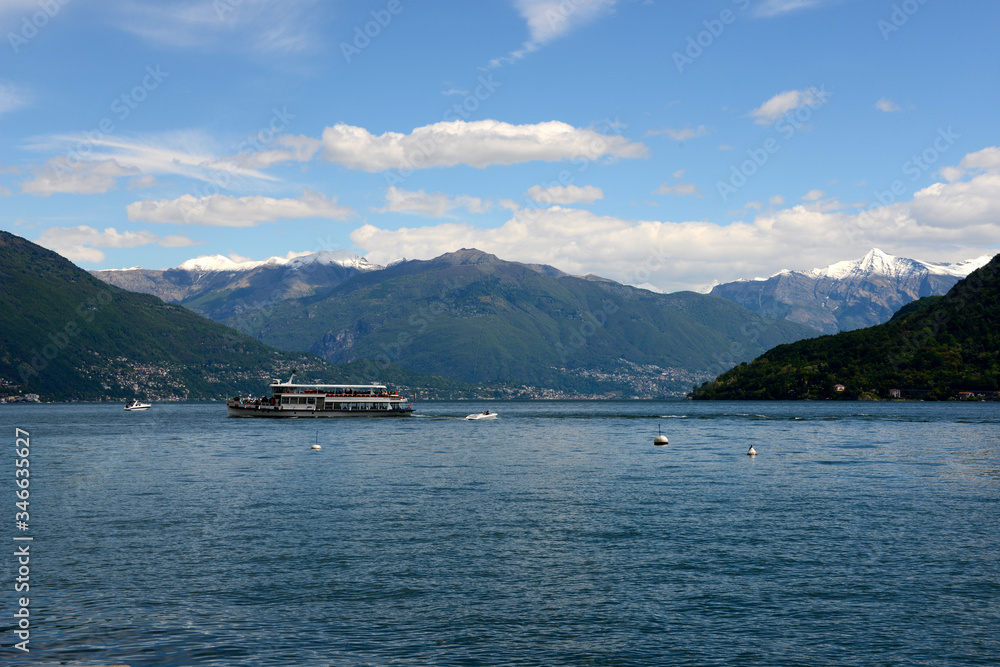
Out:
{"x": 485, "y": 414}
{"x": 133, "y": 406}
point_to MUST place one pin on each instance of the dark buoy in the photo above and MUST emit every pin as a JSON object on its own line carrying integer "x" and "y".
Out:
{"x": 660, "y": 439}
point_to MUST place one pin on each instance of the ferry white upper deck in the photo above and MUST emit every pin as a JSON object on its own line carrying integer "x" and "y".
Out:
{"x": 321, "y": 400}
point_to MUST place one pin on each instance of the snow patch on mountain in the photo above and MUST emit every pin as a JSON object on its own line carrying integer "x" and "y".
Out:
{"x": 881, "y": 263}
{"x": 214, "y": 263}
{"x": 877, "y": 262}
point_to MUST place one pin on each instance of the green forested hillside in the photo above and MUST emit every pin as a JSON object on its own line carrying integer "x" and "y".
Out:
{"x": 932, "y": 348}
{"x": 68, "y": 335}
{"x": 474, "y": 318}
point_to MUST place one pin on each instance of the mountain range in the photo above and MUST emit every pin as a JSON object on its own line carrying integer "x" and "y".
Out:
{"x": 937, "y": 347}
{"x": 219, "y": 288}
{"x": 847, "y": 295}
{"x": 472, "y": 317}
{"x": 465, "y": 322}
{"x": 506, "y": 322}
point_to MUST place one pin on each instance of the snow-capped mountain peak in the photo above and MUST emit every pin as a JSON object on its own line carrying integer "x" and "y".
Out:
{"x": 874, "y": 262}
{"x": 341, "y": 257}
{"x": 877, "y": 262}
{"x": 212, "y": 263}
{"x": 959, "y": 269}
{"x": 847, "y": 295}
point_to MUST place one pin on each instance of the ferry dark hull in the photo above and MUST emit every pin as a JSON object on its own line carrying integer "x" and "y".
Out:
{"x": 272, "y": 412}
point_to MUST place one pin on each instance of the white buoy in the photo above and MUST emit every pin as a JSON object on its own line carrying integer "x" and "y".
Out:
{"x": 751, "y": 451}
{"x": 316, "y": 447}
{"x": 660, "y": 439}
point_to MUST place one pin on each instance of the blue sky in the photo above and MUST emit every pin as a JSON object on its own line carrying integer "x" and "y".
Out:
{"x": 665, "y": 144}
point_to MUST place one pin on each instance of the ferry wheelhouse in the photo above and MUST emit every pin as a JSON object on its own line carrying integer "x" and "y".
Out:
{"x": 321, "y": 400}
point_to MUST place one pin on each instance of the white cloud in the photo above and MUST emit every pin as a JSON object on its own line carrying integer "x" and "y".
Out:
{"x": 959, "y": 205}
{"x": 142, "y": 182}
{"x": 12, "y": 97}
{"x": 83, "y": 243}
{"x": 776, "y": 200}
{"x": 478, "y": 144}
{"x": 12, "y": 14}
{"x": 229, "y": 211}
{"x": 680, "y": 189}
{"x": 987, "y": 158}
{"x": 944, "y": 222}
{"x": 287, "y": 148}
{"x": 235, "y": 25}
{"x": 550, "y": 19}
{"x": 681, "y": 134}
{"x": 84, "y": 178}
{"x": 16, "y": 6}
{"x": 813, "y": 195}
{"x": 181, "y": 153}
{"x": 777, "y": 7}
{"x": 887, "y": 105}
{"x": 90, "y": 164}
{"x": 568, "y": 194}
{"x": 434, "y": 205}
{"x": 776, "y": 107}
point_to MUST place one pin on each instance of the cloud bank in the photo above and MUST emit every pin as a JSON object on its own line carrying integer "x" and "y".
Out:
{"x": 229, "y": 211}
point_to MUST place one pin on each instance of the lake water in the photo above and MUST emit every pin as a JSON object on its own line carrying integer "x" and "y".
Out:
{"x": 861, "y": 534}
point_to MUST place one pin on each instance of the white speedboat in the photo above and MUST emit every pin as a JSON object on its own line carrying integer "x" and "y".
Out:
{"x": 133, "y": 406}
{"x": 485, "y": 414}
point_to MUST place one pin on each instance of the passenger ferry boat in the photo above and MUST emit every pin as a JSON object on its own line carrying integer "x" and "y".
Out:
{"x": 321, "y": 400}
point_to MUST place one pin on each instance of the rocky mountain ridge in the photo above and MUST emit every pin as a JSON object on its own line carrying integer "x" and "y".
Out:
{"x": 847, "y": 295}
